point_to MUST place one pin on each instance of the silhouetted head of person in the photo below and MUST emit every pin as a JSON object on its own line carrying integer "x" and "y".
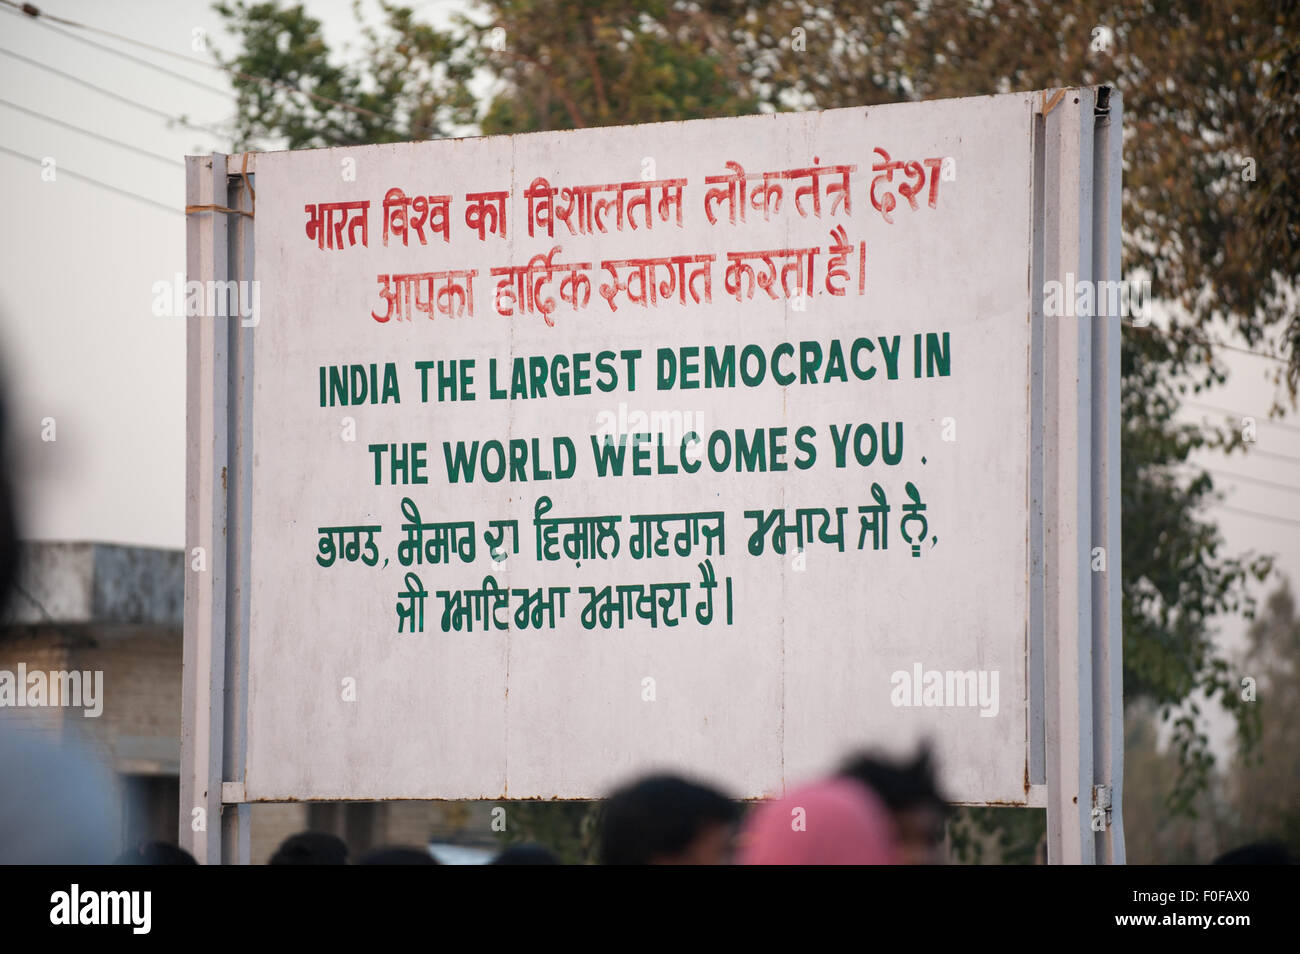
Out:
{"x": 155, "y": 853}
{"x": 397, "y": 855}
{"x": 311, "y": 848}
{"x": 526, "y": 854}
{"x": 912, "y": 796}
{"x": 663, "y": 819}
{"x": 1259, "y": 853}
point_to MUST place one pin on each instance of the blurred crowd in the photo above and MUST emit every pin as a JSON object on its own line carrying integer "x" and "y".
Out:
{"x": 873, "y": 811}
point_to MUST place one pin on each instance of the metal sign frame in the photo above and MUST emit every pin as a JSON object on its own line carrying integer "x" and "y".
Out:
{"x": 1074, "y": 661}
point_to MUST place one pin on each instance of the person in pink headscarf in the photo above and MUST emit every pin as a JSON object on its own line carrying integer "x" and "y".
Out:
{"x": 835, "y": 821}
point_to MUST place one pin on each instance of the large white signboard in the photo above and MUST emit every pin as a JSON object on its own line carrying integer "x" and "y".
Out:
{"x": 699, "y": 446}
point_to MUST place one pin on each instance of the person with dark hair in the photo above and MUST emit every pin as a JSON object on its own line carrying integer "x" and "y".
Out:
{"x": 155, "y": 853}
{"x": 663, "y": 819}
{"x": 400, "y": 855}
{"x": 311, "y": 848}
{"x": 57, "y": 798}
{"x": 526, "y": 854}
{"x": 912, "y": 796}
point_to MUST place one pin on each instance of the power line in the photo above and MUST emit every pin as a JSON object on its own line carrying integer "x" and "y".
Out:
{"x": 1199, "y": 339}
{"x": 1272, "y": 518}
{"x": 1257, "y": 480}
{"x": 1253, "y": 450}
{"x": 109, "y": 93}
{"x": 1289, "y": 488}
{"x": 1231, "y": 413}
{"x": 36, "y": 14}
{"x": 103, "y": 185}
{"x": 127, "y": 56}
{"x": 35, "y": 602}
{"x": 91, "y": 133}
{"x": 1274, "y": 455}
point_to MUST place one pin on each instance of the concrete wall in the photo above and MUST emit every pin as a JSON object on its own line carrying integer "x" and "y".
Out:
{"x": 117, "y": 610}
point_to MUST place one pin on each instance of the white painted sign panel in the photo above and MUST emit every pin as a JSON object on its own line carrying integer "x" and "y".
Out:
{"x": 699, "y": 446}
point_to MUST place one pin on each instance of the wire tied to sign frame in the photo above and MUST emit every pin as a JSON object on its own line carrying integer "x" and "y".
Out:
{"x": 1049, "y": 105}
{"x": 244, "y": 184}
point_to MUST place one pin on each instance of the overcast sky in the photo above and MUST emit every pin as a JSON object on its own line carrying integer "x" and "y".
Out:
{"x": 81, "y": 345}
